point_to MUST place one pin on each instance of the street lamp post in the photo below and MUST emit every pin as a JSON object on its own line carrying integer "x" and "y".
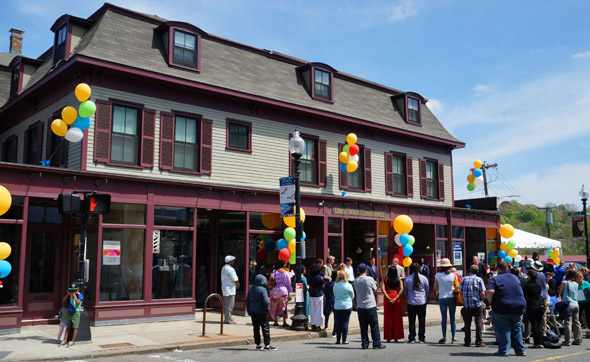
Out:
{"x": 296, "y": 148}
{"x": 584, "y": 196}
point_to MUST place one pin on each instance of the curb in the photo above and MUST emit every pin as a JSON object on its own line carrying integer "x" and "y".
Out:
{"x": 238, "y": 341}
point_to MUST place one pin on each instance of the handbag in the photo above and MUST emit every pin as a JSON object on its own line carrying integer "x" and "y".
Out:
{"x": 458, "y": 297}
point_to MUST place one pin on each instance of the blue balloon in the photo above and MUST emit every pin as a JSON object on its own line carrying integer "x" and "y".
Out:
{"x": 82, "y": 123}
{"x": 408, "y": 249}
{"x": 502, "y": 254}
{"x": 303, "y": 236}
{"x": 270, "y": 245}
{"x": 404, "y": 239}
{"x": 508, "y": 259}
{"x": 5, "y": 268}
{"x": 343, "y": 193}
{"x": 477, "y": 172}
{"x": 343, "y": 168}
{"x": 491, "y": 254}
{"x": 282, "y": 243}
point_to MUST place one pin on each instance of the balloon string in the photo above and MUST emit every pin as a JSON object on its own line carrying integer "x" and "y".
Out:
{"x": 56, "y": 148}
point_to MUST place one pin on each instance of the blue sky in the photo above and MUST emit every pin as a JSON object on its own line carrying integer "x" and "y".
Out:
{"x": 509, "y": 78}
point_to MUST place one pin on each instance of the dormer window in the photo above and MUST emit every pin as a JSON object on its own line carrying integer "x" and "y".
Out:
{"x": 185, "y": 49}
{"x": 59, "y": 47}
{"x": 413, "y": 110}
{"x": 15, "y": 80}
{"x": 322, "y": 81}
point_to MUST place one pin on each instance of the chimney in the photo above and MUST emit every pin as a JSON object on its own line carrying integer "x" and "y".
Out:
{"x": 16, "y": 41}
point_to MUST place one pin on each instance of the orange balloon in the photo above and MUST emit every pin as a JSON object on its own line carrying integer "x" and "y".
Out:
{"x": 471, "y": 178}
{"x": 271, "y": 221}
{"x": 504, "y": 247}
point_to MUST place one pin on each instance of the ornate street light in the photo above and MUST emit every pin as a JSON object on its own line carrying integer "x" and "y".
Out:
{"x": 584, "y": 196}
{"x": 296, "y": 148}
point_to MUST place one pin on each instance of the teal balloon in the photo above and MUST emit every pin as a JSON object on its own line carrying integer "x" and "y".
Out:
{"x": 404, "y": 239}
{"x": 502, "y": 254}
{"x": 303, "y": 235}
{"x": 282, "y": 243}
{"x": 289, "y": 234}
{"x": 82, "y": 123}
{"x": 491, "y": 254}
{"x": 508, "y": 259}
{"x": 470, "y": 186}
{"x": 343, "y": 169}
{"x": 477, "y": 172}
{"x": 5, "y": 268}
{"x": 412, "y": 240}
{"x": 408, "y": 250}
{"x": 87, "y": 109}
{"x": 270, "y": 245}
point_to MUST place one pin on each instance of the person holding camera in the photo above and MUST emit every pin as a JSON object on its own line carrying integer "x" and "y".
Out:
{"x": 72, "y": 316}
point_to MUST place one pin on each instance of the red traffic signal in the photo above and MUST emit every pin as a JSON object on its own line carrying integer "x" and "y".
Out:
{"x": 97, "y": 204}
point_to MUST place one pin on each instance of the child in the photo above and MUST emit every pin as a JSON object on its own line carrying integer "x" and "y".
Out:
{"x": 74, "y": 300}
{"x": 62, "y": 317}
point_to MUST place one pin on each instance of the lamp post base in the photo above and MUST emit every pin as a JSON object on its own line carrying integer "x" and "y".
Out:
{"x": 299, "y": 320}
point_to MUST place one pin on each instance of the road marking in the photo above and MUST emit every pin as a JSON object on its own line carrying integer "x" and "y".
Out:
{"x": 558, "y": 357}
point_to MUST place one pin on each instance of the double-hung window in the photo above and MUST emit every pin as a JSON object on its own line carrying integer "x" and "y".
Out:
{"x": 322, "y": 85}
{"x": 125, "y": 136}
{"x": 186, "y": 145}
{"x": 309, "y": 163}
{"x": 413, "y": 110}
{"x": 399, "y": 175}
{"x": 185, "y": 49}
{"x": 239, "y": 136}
{"x": 355, "y": 179}
{"x": 432, "y": 179}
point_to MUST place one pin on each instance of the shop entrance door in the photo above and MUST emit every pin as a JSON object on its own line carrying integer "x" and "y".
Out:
{"x": 46, "y": 264}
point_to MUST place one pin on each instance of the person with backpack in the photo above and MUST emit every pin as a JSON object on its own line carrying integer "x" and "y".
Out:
{"x": 258, "y": 306}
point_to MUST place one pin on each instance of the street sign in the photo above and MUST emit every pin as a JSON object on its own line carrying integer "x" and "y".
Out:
{"x": 287, "y": 196}
{"x": 578, "y": 213}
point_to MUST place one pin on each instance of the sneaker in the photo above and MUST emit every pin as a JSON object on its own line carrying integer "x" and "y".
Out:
{"x": 421, "y": 341}
{"x": 454, "y": 341}
{"x": 70, "y": 343}
{"x": 565, "y": 344}
{"x": 442, "y": 341}
{"x": 466, "y": 344}
{"x": 500, "y": 354}
{"x": 64, "y": 342}
{"x": 270, "y": 348}
{"x": 259, "y": 348}
{"x": 576, "y": 343}
{"x": 523, "y": 354}
{"x": 411, "y": 341}
{"x": 381, "y": 346}
{"x": 480, "y": 344}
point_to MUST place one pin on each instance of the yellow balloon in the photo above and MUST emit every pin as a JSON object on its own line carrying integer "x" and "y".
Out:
{"x": 59, "y": 127}
{"x": 344, "y": 157}
{"x": 290, "y": 220}
{"x": 506, "y": 231}
{"x": 513, "y": 253}
{"x": 504, "y": 247}
{"x": 556, "y": 260}
{"x": 407, "y": 261}
{"x": 82, "y": 92}
{"x": 352, "y": 166}
{"x": 292, "y": 246}
{"x": 403, "y": 224}
{"x": 556, "y": 252}
{"x": 471, "y": 178}
{"x": 5, "y": 200}
{"x": 5, "y": 250}
{"x": 351, "y": 139}
{"x": 477, "y": 164}
{"x": 271, "y": 221}
{"x": 69, "y": 114}
{"x": 261, "y": 245}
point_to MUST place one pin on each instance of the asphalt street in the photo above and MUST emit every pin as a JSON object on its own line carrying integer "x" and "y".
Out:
{"x": 324, "y": 349}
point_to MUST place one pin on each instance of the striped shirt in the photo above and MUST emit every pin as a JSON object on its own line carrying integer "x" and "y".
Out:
{"x": 472, "y": 286}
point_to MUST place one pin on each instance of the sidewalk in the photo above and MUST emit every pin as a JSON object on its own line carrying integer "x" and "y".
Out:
{"x": 38, "y": 343}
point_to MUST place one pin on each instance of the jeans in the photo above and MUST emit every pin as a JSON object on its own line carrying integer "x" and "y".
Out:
{"x": 508, "y": 332}
{"x": 477, "y": 314}
{"x": 368, "y": 317}
{"x": 341, "y": 319}
{"x": 228, "y": 305}
{"x": 420, "y": 311}
{"x": 260, "y": 321}
{"x": 449, "y": 303}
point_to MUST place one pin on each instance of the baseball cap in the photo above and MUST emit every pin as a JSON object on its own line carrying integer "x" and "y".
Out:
{"x": 362, "y": 268}
{"x": 74, "y": 286}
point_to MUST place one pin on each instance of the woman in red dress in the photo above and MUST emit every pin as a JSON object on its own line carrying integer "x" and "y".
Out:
{"x": 393, "y": 289}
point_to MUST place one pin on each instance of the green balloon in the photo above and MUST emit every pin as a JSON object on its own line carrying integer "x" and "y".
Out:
{"x": 511, "y": 244}
{"x": 470, "y": 186}
{"x": 87, "y": 109}
{"x": 345, "y": 148}
{"x": 289, "y": 234}
{"x": 412, "y": 240}
{"x": 265, "y": 237}
{"x": 494, "y": 260}
{"x": 292, "y": 260}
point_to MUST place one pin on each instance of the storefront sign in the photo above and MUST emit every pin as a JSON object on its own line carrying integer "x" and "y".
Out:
{"x": 287, "y": 196}
{"x": 457, "y": 253}
{"x": 111, "y": 252}
{"x": 357, "y": 212}
{"x": 299, "y": 293}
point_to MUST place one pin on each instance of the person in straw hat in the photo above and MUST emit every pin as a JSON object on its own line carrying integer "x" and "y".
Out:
{"x": 444, "y": 284}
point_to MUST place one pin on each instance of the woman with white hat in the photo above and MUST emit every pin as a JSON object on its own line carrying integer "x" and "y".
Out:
{"x": 444, "y": 285}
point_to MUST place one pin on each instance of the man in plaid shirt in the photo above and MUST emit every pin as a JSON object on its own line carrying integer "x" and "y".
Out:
{"x": 473, "y": 291}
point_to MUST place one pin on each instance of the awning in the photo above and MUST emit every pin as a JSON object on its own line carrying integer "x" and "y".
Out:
{"x": 525, "y": 239}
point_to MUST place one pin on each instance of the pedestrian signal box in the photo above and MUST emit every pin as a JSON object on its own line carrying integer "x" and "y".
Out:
{"x": 97, "y": 204}
{"x": 68, "y": 203}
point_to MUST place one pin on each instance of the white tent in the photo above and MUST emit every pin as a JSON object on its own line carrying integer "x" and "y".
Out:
{"x": 525, "y": 239}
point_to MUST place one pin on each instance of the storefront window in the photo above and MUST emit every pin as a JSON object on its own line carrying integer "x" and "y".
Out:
{"x": 441, "y": 231}
{"x": 122, "y": 264}
{"x": 172, "y": 273}
{"x": 335, "y": 248}
{"x": 334, "y": 225}
{"x": 203, "y": 222}
{"x": 475, "y": 244}
{"x": 44, "y": 211}
{"x": 424, "y": 245}
{"x": 458, "y": 232}
{"x": 232, "y": 241}
{"x": 441, "y": 249}
{"x": 265, "y": 221}
{"x": 10, "y": 234}
{"x": 173, "y": 216}
{"x": 16, "y": 209}
{"x": 133, "y": 214}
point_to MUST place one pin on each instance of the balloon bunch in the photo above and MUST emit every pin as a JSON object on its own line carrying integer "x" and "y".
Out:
{"x": 553, "y": 254}
{"x": 475, "y": 178}
{"x": 403, "y": 224}
{"x": 270, "y": 251}
{"x": 349, "y": 157}
{"x": 5, "y": 200}
{"x": 5, "y": 267}
{"x": 78, "y": 120}
{"x": 507, "y": 251}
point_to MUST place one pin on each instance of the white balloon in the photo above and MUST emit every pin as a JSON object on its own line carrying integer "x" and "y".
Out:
{"x": 478, "y": 180}
{"x": 74, "y": 134}
{"x": 355, "y": 158}
{"x": 518, "y": 258}
{"x": 396, "y": 239}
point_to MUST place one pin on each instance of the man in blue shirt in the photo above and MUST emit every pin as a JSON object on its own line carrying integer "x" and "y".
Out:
{"x": 559, "y": 272}
{"x": 472, "y": 290}
{"x": 508, "y": 305}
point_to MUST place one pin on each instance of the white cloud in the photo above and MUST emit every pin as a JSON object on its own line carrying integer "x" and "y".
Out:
{"x": 581, "y": 55}
{"x": 402, "y": 11}
{"x": 435, "y": 106}
{"x": 481, "y": 88}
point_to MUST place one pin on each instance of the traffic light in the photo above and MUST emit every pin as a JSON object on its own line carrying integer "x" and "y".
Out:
{"x": 68, "y": 203}
{"x": 97, "y": 204}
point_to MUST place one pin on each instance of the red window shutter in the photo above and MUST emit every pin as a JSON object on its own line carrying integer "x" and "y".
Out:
{"x": 166, "y": 140}
{"x": 367, "y": 167}
{"x": 342, "y": 177}
{"x": 102, "y": 132}
{"x": 206, "y": 146}
{"x": 409, "y": 176}
{"x": 148, "y": 133}
{"x": 441, "y": 181}
{"x": 388, "y": 173}
{"x": 423, "y": 183}
{"x": 323, "y": 166}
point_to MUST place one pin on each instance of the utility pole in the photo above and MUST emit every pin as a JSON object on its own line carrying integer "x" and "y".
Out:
{"x": 549, "y": 216}
{"x": 485, "y": 180}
